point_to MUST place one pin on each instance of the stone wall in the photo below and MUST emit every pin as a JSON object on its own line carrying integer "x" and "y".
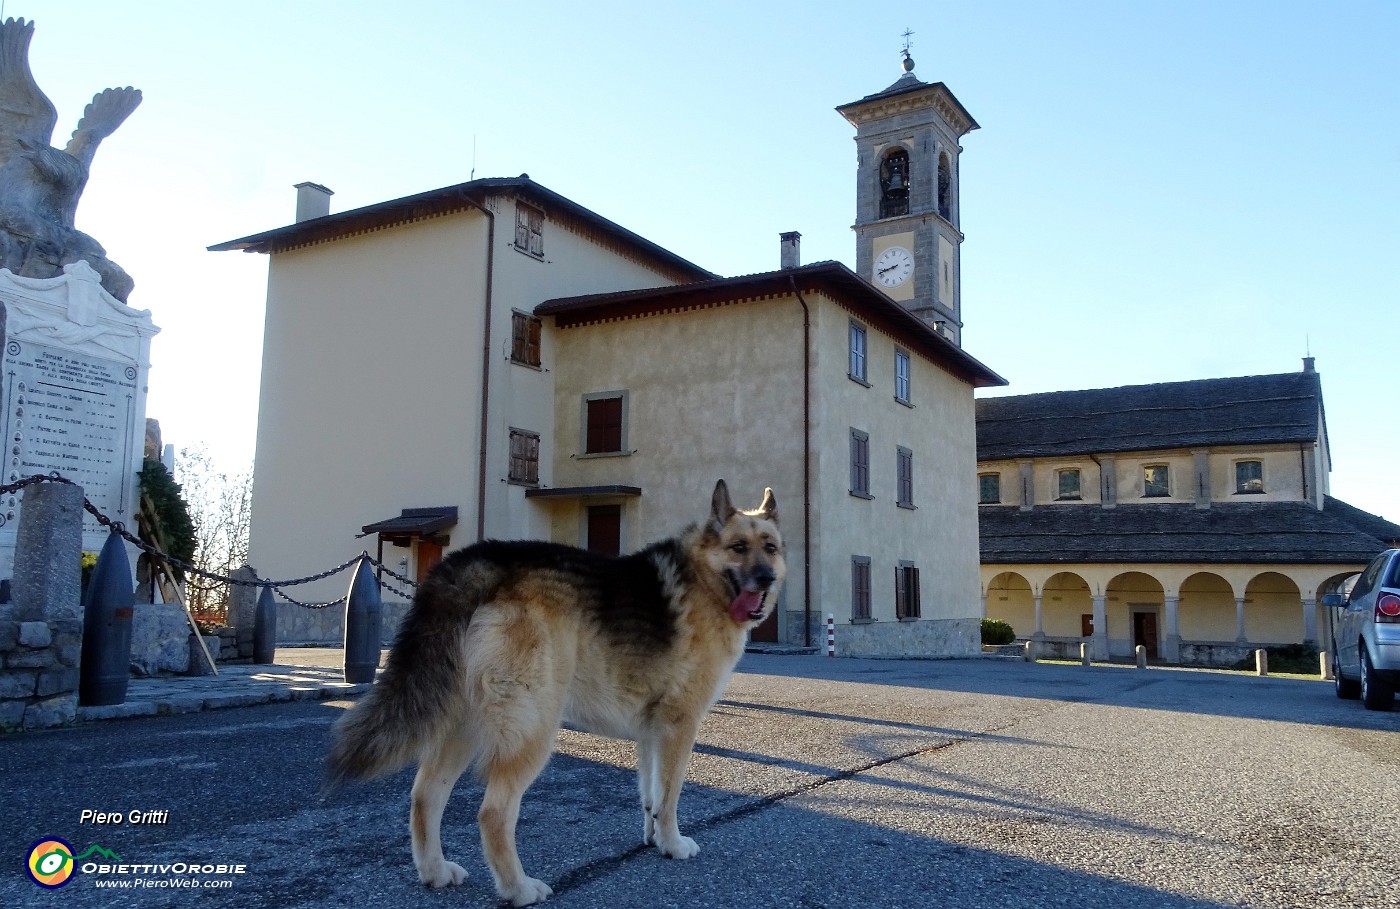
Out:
{"x": 920, "y": 638}
{"x": 299, "y": 625}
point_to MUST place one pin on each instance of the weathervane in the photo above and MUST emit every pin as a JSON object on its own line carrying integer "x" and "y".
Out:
{"x": 908, "y": 62}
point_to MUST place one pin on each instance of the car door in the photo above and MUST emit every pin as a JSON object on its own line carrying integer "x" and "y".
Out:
{"x": 1350, "y": 619}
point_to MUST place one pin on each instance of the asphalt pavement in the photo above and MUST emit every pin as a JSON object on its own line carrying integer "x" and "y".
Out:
{"x": 816, "y": 782}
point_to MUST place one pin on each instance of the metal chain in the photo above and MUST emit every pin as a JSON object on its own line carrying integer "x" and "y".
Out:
{"x": 191, "y": 568}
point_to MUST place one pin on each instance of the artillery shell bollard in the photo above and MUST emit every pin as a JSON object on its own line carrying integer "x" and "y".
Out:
{"x": 363, "y": 613}
{"x": 265, "y": 628}
{"x": 1325, "y": 664}
{"x": 1141, "y": 657}
{"x": 107, "y": 610}
{"x": 1084, "y": 654}
{"x": 1030, "y": 652}
{"x": 1261, "y": 662}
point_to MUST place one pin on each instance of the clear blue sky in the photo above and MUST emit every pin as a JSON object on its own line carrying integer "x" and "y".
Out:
{"x": 1159, "y": 191}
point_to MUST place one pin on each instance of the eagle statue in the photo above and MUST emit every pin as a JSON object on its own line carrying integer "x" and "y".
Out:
{"x": 39, "y": 184}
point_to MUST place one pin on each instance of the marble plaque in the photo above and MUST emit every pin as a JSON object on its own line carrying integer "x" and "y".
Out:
{"x": 71, "y": 414}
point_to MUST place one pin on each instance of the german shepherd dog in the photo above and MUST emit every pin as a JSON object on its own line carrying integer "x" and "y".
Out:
{"x": 507, "y": 640}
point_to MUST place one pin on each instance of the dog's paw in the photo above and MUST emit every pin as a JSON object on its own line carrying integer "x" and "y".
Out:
{"x": 677, "y": 847}
{"x": 447, "y": 874}
{"x": 528, "y": 892}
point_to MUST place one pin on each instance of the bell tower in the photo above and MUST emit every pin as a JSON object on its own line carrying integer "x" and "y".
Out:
{"x": 907, "y": 237}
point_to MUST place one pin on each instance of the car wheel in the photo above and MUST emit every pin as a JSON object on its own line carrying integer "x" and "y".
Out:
{"x": 1347, "y": 689}
{"x": 1375, "y": 694}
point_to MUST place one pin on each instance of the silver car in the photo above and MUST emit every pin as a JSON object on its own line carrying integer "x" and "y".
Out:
{"x": 1366, "y": 634}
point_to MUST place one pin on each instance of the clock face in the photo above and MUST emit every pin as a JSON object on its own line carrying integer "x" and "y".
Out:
{"x": 894, "y": 266}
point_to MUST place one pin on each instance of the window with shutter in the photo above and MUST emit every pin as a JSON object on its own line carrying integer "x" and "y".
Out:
{"x": 604, "y": 431}
{"x": 860, "y": 463}
{"x": 525, "y": 339}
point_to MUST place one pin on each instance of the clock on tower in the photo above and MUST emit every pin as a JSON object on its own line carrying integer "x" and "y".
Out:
{"x": 907, "y": 234}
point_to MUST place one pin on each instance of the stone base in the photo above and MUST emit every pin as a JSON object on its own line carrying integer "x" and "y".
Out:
{"x": 937, "y": 638}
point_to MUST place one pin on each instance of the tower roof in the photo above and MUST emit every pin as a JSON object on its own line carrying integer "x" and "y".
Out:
{"x": 909, "y": 93}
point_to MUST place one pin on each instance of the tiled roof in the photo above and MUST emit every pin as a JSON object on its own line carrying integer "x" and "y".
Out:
{"x": 1251, "y": 410}
{"x": 1266, "y": 532}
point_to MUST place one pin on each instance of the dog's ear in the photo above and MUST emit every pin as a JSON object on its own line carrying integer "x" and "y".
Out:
{"x": 769, "y": 508}
{"x": 721, "y": 509}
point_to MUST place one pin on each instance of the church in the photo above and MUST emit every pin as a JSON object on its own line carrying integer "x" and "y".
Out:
{"x": 516, "y": 365}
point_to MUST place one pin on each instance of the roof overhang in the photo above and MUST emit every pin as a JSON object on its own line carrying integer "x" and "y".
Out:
{"x": 447, "y": 200}
{"x": 414, "y": 523}
{"x": 583, "y": 492}
{"x": 833, "y": 279}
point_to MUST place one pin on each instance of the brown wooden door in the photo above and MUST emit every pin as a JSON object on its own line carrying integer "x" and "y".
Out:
{"x": 429, "y": 554}
{"x": 1145, "y": 631}
{"x": 605, "y": 529}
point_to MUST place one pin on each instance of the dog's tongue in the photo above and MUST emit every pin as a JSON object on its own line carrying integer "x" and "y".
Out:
{"x": 745, "y": 605}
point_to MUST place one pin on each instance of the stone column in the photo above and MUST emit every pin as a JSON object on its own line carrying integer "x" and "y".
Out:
{"x": 1240, "y": 636}
{"x": 1039, "y": 616}
{"x": 1171, "y": 645}
{"x": 1310, "y": 619}
{"x": 1100, "y": 648}
{"x": 41, "y": 631}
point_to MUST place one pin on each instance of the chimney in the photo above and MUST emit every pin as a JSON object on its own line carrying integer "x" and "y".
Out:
{"x": 1308, "y": 364}
{"x": 791, "y": 246}
{"x": 313, "y": 201}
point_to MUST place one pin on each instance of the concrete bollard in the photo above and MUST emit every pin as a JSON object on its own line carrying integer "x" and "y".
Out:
{"x": 265, "y": 628}
{"x": 1141, "y": 657}
{"x": 1261, "y": 662}
{"x": 1030, "y": 652}
{"x": 1324, "y": 659}
{"x": 363, "y": 611}
{"x": 107, "y": 610}
{"x": 1084, "y": 654}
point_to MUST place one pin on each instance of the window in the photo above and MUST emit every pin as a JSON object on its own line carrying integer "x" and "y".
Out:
{"x": 524, "y": 457}
{"x": 860, "y": 464}
{"x": 604, "y": 423}
{"x": 1068, "y": 483}
{"x": 524, "y": 339}
{"x": 906, "y": 591}
{"x": 904, "y": 469}
{"x": 894, "y": 184}
{"x": 945, "y": 188}
{"x": 901, "y": 377}
{"x": 860, "y": 588}
{"x": 857, "y": 367}
{"x": 529, "y": 230}
{"x": 1249, "y": 476}
{"x": 989, "y": 489}
{"x": 1156, "y": 481}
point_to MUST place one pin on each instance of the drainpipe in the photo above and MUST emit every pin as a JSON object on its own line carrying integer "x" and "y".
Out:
{"x": 806, "y": 465}
{"x": 485, "y": 366}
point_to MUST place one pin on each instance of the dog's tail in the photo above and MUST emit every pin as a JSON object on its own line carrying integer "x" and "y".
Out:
{"x": 419, "y": 693}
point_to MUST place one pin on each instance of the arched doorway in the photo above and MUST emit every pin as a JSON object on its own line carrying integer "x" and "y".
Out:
{"x": 1134, "y": 605}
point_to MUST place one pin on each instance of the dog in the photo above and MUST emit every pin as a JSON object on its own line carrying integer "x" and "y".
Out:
{"x": 507, "y": 641}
